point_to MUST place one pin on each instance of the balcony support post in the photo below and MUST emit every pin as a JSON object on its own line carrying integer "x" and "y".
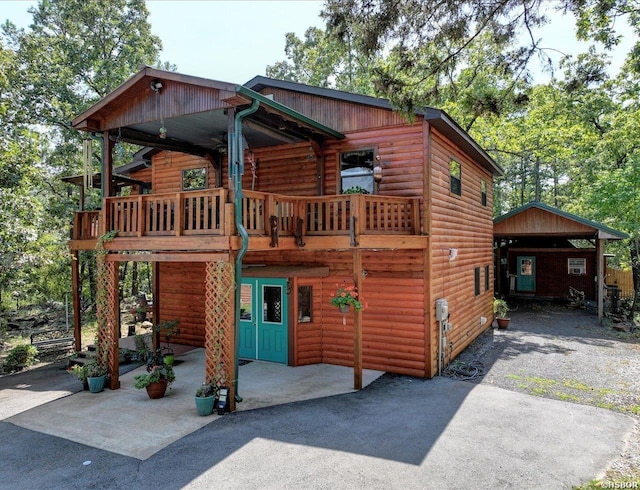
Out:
{"x": 357, "y": 324}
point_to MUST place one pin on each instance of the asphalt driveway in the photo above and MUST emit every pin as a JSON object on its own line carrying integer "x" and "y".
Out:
{"x": 400, "y": 432}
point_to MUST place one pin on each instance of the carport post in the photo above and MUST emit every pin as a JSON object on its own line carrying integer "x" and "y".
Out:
{"x": 600, "y": 277}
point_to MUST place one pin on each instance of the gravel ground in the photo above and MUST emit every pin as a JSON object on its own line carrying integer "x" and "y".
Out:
{"x": 556, "y": 352}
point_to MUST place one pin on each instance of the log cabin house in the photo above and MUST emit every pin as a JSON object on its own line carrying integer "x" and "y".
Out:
{"x": 543, "y": 252}
{"x": 243, "y": 200}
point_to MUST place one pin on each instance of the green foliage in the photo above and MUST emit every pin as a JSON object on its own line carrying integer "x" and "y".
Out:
{"x": 95, "y": 367}
{"x": 474, "y": 54}
{"x": 500, "y": 308}
{"x": 142, "y": 348}
{"x": 79, "y": 372}
{"x": 207, "y": 390}
{"x": 73, "y": 53}
{"x": 21, "y": 356}
{"x": 323, "y": 61}
{"x": 157, "y": 369}
{"x": 356, "y": 189}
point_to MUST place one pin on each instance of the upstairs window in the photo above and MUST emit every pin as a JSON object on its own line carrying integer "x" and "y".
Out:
{"x": 476, "y": 277}
{"x": 356, "y": 171}
{"x": 483, "y": 192}
{"x": 455, "y": 172}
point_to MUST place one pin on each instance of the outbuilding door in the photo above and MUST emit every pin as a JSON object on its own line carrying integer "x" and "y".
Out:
{"x": 526, "y": 273}
{"x": 263, "y": 319}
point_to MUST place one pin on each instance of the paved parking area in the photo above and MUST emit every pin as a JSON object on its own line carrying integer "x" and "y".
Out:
{"x": 400, "y": 432}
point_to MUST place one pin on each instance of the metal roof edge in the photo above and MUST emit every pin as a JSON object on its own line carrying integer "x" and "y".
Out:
{"x": 259, "y": 82}
{"x": 445, "y": 123}
{"x": 289, "y": 112}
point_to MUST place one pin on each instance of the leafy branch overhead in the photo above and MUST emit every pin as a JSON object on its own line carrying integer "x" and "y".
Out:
{"x": 424, "y": 52}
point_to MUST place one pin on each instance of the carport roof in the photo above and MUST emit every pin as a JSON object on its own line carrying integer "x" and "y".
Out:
{"x": 538, "y": 219}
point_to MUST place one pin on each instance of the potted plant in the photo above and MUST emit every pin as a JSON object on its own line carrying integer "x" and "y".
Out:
{"x": 157, "y": 378}
{"x": 78, "y": 371}
{"x": 500, "y": 309}
{"x": 345, "y": 297}
{"x": 168, "y": 329}
{"x": 205, "y": 398}
{"x": 96, "y": 373}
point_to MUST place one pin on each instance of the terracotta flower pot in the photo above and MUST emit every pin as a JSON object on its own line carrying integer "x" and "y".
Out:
{"x": 503, "y": 322}
{"x": 156, "y": 389}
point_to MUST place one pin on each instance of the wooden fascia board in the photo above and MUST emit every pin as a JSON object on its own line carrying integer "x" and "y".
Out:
{"x": 168, "y": 257}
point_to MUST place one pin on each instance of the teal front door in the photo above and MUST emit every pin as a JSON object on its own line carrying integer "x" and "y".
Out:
{"x": 526, "y": 274}
{"x": 263, "y": 319}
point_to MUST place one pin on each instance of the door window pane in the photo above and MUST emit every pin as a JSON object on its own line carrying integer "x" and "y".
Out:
{"x": 272, "y": 304}
{"x": 246, "y": 302}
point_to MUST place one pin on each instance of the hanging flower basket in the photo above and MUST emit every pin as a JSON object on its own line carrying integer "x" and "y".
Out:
{"x": 346, "y": 296}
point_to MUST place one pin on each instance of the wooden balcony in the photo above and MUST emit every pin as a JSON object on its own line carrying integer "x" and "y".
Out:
{"x": 203, "y": 220}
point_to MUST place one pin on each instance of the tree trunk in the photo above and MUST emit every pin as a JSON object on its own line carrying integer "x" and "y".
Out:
{"x": 134, "y": 280}
{"x": 121, "y": 277}
{"x": 634, "y": 250}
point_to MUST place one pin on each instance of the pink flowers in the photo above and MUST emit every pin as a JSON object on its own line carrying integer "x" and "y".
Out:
{"x": 347, "y": 295}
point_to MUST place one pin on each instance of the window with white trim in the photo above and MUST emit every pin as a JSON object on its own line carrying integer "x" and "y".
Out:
{"x": 577, "y": 267}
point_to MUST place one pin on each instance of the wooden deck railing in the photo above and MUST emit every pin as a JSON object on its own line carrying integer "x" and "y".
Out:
{"x": 86, "y": 225}
{"x": 203, "y": 213}
{"x": 331, "y": 215}
{"x": 183, "y": 213}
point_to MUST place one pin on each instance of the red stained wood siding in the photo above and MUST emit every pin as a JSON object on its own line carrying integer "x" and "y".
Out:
{"x": 168, "y": 166}
{"x": 463, "y": 223}
{"x": 182, "y": 298}
{"x": 552, "y": 271}
{"x": 340, "y": 115}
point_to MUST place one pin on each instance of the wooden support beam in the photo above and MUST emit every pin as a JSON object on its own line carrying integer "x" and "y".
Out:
{"x": 357, "y": 324}
{"x": 167, "y": 257}
{"x": 76, "y": 290}
{"x": 600, "y": 281}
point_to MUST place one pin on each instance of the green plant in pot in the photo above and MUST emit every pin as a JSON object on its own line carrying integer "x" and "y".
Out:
{"x": 168, "y": 329}
{"x": 96, "y": 374}
{"x": 500, "y": 310}
{"x": 158, "y": 377}
{"x": 205, "y": 398}
{"x": 79, "y": 372}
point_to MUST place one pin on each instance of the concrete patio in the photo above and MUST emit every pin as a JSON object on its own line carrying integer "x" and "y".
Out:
{"x": 127, "y": 422}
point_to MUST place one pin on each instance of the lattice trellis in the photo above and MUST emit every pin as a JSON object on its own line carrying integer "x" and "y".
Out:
{"x": 107, "y": 316}
{"x": 219, "y": 326}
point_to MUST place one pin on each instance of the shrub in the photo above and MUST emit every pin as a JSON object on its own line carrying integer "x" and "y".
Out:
{"x": 21, "y": 356}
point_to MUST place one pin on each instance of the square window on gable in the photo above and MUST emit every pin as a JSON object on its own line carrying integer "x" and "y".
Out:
{"x": 455, "y": 174}
{"x": 356, "y": 171}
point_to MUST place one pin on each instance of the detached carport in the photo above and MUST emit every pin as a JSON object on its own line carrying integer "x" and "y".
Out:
{"x": 537, "y": 255}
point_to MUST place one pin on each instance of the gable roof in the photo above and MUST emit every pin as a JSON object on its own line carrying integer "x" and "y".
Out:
{"x": 439, "y": 119}
{"x": 536, "y": 218}
{"x": 193, "y": 114}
